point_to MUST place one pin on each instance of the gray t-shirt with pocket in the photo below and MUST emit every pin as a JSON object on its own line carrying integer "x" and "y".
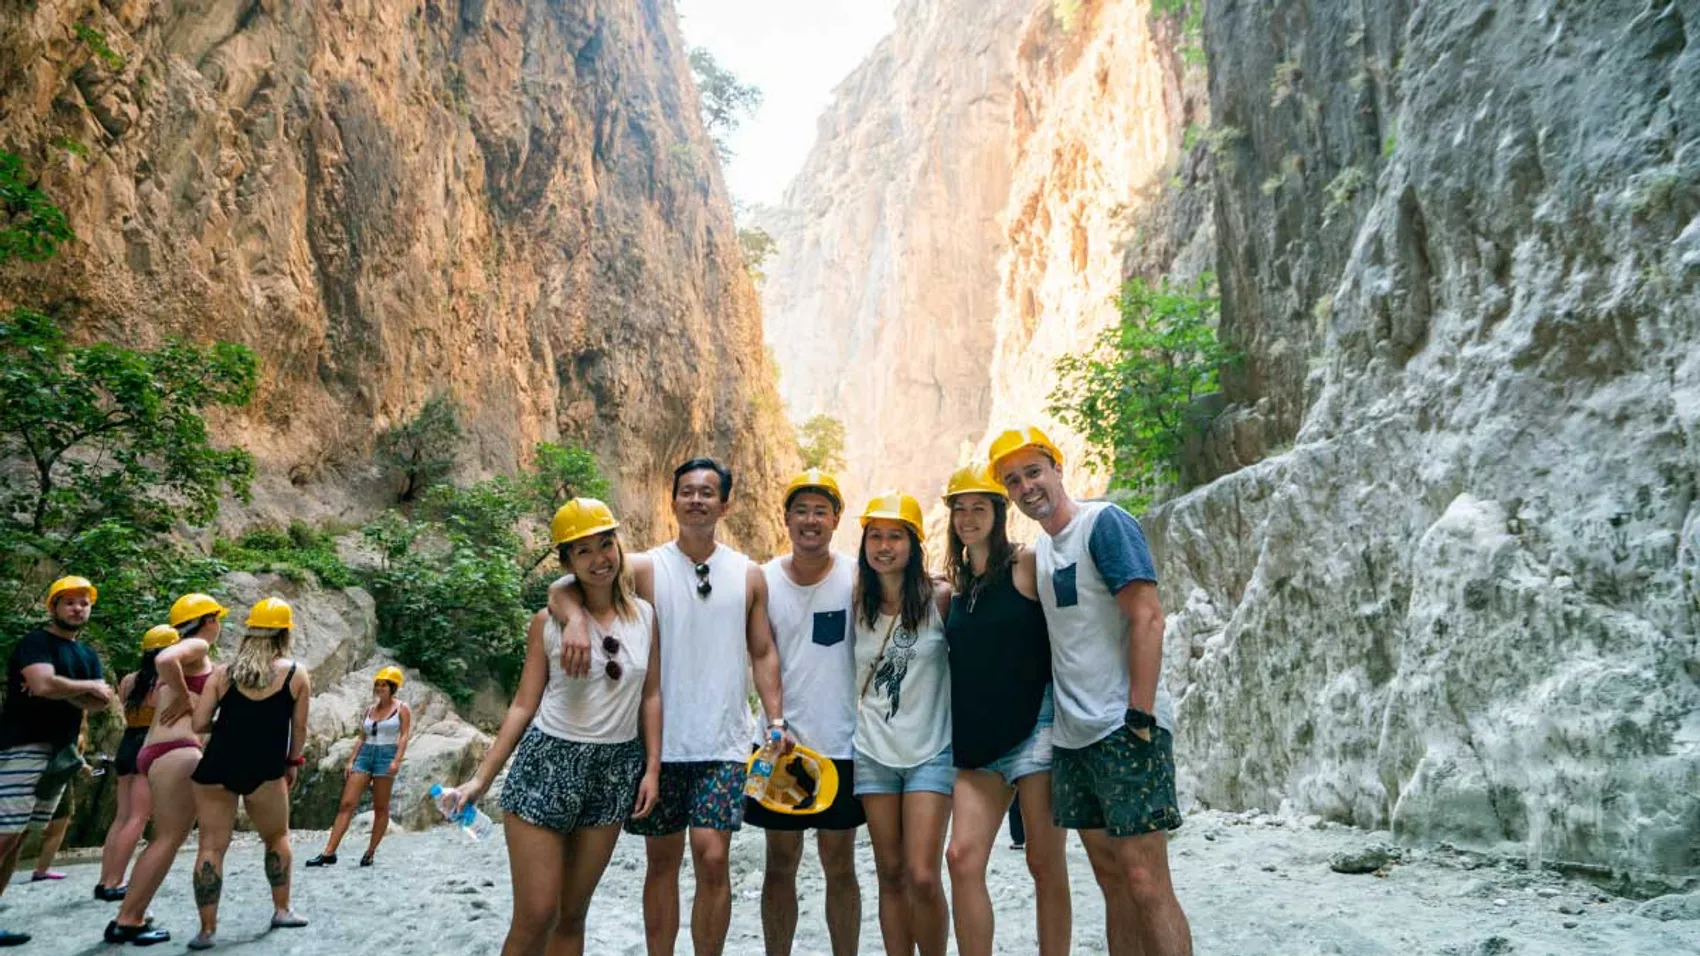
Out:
{"x": 1080, "y": 570}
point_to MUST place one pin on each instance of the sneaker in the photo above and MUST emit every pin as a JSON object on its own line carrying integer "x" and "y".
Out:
{"x": 140, "y": 935}
{"x": 110, "y": 894}
{"x": 13, "y": 939}
{"x": 40, "y": 875}
{"x": 323, "y": 859}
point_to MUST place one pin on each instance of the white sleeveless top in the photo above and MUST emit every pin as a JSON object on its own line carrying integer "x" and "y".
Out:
{"x": 817, "y": 656}
{"x": 705, "y": 663}
{"x": 383, "y": 733}
{"x": 597, "y": 709}
{"x": 904, "y": 717}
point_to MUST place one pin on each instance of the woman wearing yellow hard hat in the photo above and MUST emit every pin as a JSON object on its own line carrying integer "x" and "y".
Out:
{"x": 378, "y": 751}
{"x": 134, "y": 798}
{"x": 167, "y": 759}
{"x": 1001, "y": 714}
{"x": 255, "y": 714}
{"x": 904, "y": 775}
{"x": 580, "y": 769}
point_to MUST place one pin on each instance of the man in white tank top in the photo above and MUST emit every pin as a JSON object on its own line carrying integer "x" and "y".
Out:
{"x": 1112, "y": 761}
{"x": 711, "y": 609}
{"x": 808, "y": 603}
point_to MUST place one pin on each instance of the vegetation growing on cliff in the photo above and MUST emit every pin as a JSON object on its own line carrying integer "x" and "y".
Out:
{"x": 421, "y": 450}
{"x": 1131, "y": 395}
{"x": 820, "y": 441}
{"x": 726, "y": 100}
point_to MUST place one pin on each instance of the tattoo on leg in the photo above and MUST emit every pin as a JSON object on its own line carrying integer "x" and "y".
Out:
{"x": 276, "y": 874}
{"x": 208, "y": 884}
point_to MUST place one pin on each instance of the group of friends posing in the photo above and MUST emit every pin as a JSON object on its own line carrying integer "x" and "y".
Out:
{"x": 1018, "y": 670}
{"x": 199, "y": 737}
{"x": 937, "y": 699}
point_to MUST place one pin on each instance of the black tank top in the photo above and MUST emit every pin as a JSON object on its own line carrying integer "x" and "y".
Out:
{"x": 1000, "y": 665}
{"x": 249, "y": 744}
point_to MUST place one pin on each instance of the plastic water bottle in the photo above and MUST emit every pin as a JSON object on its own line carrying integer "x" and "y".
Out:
{"x": 761, "y": 770}
{"x": 472, "y": 821}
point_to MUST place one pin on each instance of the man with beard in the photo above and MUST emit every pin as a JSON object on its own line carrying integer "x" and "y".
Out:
{"x": 1113, "y": 765}
{"x": 808, "y": 605}
{"x": 51, "y": 680}
{"x": 711, "y": 608}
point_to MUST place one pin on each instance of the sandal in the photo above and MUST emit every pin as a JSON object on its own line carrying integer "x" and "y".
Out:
{"x": 143, "y": 935}
{"x": 202, "y": 941}
{"x": 288, "y": 920}
{"x": 323, "y": 859}
{"x": 366, "y": 860}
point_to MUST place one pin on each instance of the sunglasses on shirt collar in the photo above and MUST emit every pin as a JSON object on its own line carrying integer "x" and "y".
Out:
{"x": 704, "y": 589}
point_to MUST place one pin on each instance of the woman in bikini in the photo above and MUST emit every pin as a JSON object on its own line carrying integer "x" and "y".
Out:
{"x": 375, "y": 760}
{"x": 255, "y": 712}
{"x": 134, "y": 806}
{"x": 168, "y": 757}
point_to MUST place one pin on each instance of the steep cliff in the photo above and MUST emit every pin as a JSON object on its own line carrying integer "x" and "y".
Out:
{"x": 509, "y": 200}
{"x": 1464, "y": 604}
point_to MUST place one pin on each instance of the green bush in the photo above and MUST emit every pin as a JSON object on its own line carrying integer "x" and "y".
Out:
{"x": 421, "y": 450}
{"x": 294, "y": 552}
{"x": 1131, "y": 395}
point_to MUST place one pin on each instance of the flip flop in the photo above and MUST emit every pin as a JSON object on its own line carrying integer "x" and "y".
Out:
{"x": 288, "y": 921}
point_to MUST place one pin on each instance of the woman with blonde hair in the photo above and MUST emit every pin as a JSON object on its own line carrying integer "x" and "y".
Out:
{"x": 256, "y": 712}
{"x": 168, "y": 757}
{"x": 581, "y": 769}
{"x": 376, "y": 759}
{"x": 903, "y": 760}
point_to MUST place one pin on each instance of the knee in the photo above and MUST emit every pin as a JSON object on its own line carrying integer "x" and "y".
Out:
{"x": 782, "y": 865}
{"x": 965, "y": 862}
{"x": 1145, "y": 885}
{"x": 925, "y": 882}
{"x": 570, "y": 924}
{"x": 380, "y": 810}
{"x": 349, "y": 804}
{"x": 892, "y": 879}
{"x": 713, "y": 868}
{"x": 840, "y": 870}
{"x": 1047, "y": 864}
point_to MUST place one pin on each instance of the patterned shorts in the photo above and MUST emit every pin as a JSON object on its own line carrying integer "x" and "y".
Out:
{"x": 706, "y": 794}
{"x": 21, "y": 807}
{"x": 1121, "y": 784}
{"x": 566, "y": 785}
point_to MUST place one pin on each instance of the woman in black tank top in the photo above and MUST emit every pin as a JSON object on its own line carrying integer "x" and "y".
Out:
{"x": 1000, "y": 692}
{"x": 256, "y": 710}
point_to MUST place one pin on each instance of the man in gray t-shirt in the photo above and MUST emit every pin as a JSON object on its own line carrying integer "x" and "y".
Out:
{"x": 1113, "y": 765}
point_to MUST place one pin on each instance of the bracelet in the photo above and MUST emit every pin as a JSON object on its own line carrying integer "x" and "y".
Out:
{"x": 296, "y": 761}
{"x": 780, "y": 722}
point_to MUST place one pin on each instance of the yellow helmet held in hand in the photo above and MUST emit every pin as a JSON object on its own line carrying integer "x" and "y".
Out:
{"x": 1016, "y": 439}
{"x": 70, "y": 583}
{"x": 391, "y": 674}
{"x": 803, "y": 782}
{"x": 581, "y": 518}
{"x": 815, "y": 480}
{"x": 189, "y": 607}
{"x": 896, "y": 506}
{"x": 973, "y": 479}
{"x": 272, "y": 613}
{"x": 160, "y": 636}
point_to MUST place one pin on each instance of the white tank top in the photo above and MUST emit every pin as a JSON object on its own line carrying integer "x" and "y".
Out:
{"x": 904, "y": 715}
{"x": 705, "y": 663}
{"x": 597, "y": 709}
{"x": 386, "y": 732}
{"x": 817, "y": 657}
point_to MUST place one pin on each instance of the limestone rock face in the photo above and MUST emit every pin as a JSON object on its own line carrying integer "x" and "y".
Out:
{"x": 509, "y": 200}
{"x": 877, "y": 297}
{"x": 1464, "y": 604}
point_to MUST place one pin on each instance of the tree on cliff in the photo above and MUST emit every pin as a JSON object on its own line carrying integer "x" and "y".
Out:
{"x": 422, "y": 449}
{"x": 104, "y": 453}
{"x": 726, "y": 101}
{"x": 820, "y": 441}
{"x": 1131, "y": 395}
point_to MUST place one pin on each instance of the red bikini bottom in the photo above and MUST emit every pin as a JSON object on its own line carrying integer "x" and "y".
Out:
{"x": 153, "y": 752}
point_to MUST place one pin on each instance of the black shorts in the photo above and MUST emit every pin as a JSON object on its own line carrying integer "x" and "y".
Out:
{"x": 844, "y": 814}
{"x": 129, "y": 748}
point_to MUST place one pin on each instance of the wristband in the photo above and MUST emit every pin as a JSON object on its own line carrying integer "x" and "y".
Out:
{"x": 780, "y": 722}
{"x": 1139, "y": 719}
{"x": 296, "y": 761}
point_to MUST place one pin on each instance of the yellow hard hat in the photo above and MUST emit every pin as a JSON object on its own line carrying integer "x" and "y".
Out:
{"x": 273, "y": 613}
{"x": 896, "y": 506}
{"x": 581, "y": 518}
{"x": 158, "y": 636}
{"x": 1016, "y": 439}
{"x": 391, "y": 674}
{"x": 973, "y": 479}
{"x": 815, "y": 480}
{"x": 803, "y": 782}
{"x": 192, "y": 606}
{"x": 72, "y": 583}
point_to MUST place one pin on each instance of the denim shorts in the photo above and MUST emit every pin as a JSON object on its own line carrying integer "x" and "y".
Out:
{"x": 1032, "y": 755}
{"x": 936, "y": 775}
{"x": 374, "y": 759}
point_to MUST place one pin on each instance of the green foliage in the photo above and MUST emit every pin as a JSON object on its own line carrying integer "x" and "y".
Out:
{"x": 422, "y": 449}
{"x": 294, "y": 552}
{"x": 72, "y": 145}
{"x": 31, "y": 227}
{"x": 1066, "y": 13}
{"x": 757, "y": 246}
{"x": 820, "y": 440}
{"x": 1343, "y": 189}
{"x": 1284, "y": 81}
{"x": 453, "y": 587}
{"x": 1131, "y": 395}
{"x": 1391, "y": 141}
{"x": 96, "y": 42}
{"x": 1191, "y": 15}
{"x": 726, "y": 101}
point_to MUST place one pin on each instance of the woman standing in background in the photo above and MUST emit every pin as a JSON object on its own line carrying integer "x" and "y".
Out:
{"x": 375, "y": 761}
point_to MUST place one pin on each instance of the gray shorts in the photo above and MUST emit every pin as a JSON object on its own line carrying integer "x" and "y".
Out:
{"x": 1032, "y": 755}
{"x": 566, "y": 785}
{"x": 21, "y": 807}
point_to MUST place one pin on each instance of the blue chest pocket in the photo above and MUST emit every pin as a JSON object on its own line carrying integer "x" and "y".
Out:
{"x": 829, "y": 627}
{"x": 1062, "y": 582}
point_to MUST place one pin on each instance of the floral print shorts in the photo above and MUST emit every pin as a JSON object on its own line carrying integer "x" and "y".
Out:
{"x": 708, "y": 794}
{"x": 1121, "y": 784}
{"x": 566, "y": 785}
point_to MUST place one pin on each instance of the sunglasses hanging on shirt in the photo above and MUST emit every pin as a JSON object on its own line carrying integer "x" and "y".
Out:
{"x": 704, "y": 589}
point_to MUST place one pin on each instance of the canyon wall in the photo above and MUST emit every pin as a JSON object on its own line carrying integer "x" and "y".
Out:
{"x": 1462, "y": 603}
{"x": 511, "y": 201}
